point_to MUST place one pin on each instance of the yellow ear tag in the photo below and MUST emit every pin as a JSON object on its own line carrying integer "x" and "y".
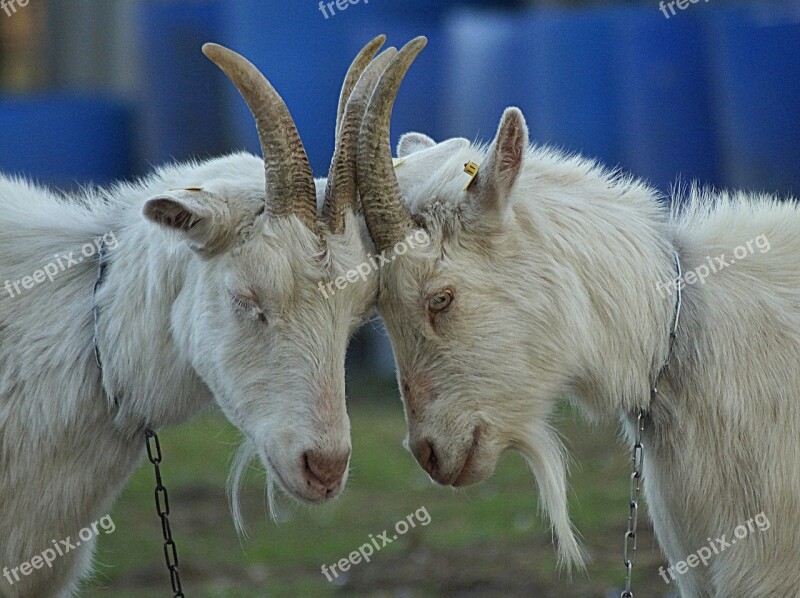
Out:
{"x": 188, "y": 189}
{"x": 472, "y": 170}
{"x": 398, "y": 162}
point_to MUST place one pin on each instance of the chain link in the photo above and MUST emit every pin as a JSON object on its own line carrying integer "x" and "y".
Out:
{"x": 151, "y": 438}
{"x": 162, "y": 508}
{"x": 637, "y": 465}
{"x": 629, "y": 554}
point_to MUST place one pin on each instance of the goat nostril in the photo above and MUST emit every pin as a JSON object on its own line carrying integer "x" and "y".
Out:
{"x": 325, "y": 469}
{"x": 433, "y": 461}
{"x": 308, "y": 472}
{"x": 426, "y": 456}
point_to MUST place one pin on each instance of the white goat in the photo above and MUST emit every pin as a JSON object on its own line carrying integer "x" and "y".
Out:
{"x": 546, "y": 276}
{"x": 211, "y": 294}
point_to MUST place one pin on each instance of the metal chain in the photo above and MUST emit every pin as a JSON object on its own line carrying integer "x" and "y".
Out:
{"x": 637, "y": 465}
{"x": 162, "y": 508}
{"x": 629, "y": 554}
{"x": 151, "y": 438}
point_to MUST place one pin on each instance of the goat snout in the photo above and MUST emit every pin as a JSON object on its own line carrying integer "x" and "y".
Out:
{"x": 449, "y": 468}
{"x": 323, "y": 472}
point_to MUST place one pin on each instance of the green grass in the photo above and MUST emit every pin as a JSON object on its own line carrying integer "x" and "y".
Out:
{"x": 488, "y": 540}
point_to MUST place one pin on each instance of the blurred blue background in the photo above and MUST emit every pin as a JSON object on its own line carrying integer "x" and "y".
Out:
{"x": 98, "y": 90}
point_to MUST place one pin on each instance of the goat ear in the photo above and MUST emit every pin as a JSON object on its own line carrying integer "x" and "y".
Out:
{"x": 201, "y": 217}
{"x": 413, "y": 142}
{"x": 497, "y": 176}
{"x": 418, "y": 168}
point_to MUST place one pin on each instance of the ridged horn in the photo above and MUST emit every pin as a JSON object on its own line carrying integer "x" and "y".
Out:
{"x": 341, "y": 193}
{"x": 289, "y": 182}
{"x": 358, "y": 66}
{"x": 387, "y": 216}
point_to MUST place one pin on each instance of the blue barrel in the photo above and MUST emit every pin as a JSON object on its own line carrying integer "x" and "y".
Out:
{"x": 755, "y": 55}
{"x": 568, "y": 79}
{"x": 65, "y": 140}
{"x": 481, "y": 74}
{"x": 183, "y": 92}
{"x": 665, "y": 121}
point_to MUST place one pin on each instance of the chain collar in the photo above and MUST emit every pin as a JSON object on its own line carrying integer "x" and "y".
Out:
{"x": 629, "y": 549}
{"x": 151, "y": 440}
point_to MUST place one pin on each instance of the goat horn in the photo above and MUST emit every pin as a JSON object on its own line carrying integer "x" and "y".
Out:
{"x": 289, "y": 183}
{"x": 387, "y": 216}
{"x": 360, "y": 63}
{"x": 341, "y": 193}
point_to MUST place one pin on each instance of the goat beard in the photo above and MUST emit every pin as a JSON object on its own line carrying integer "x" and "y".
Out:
{"x": 246, "y": 454}
{"x": 548, "y": 460}
{"x": 541, "y": 448}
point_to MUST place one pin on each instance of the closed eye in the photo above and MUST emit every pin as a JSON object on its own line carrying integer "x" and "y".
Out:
{"x": 242, "y": 303}
{"x": 248, "y": 307}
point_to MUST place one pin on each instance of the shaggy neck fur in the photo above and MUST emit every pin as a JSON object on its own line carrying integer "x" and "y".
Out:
{"x": 721, "y": 437}
{"x": 65, "y": 449}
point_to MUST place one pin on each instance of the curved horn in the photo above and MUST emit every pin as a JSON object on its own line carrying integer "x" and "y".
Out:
{"x": 360, "y": 63}
{"x": 341, "y": 193}
{"x": 289, "y": 183}
{"x": 387, "y": 216}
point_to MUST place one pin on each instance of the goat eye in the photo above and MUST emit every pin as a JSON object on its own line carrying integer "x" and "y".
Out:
{"x": 440, "y": 301}
{"x": 248, "y": 307}
{"x": 242, "y": 303}
{"x": 239, "y": 302}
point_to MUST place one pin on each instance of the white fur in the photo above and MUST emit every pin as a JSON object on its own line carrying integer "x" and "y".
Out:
{"x": 172, "y": 341}
{"x": 555, "y": 294}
